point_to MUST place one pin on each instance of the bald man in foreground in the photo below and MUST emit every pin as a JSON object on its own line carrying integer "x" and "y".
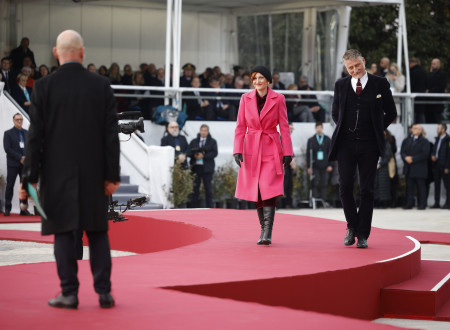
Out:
{"x": 73, "y": 150}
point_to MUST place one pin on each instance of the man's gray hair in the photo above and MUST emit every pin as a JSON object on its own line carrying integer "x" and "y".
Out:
{"x": 352, "y": 54}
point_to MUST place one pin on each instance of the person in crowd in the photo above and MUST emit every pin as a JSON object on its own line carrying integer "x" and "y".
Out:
{"x": 414, "y": 152}
{"x": 440, "y": 155}
{"x": 27, "y": 61}
{"x": 383, "y": 197}
{"x": 293, "y": 103}
{"x": 143, "y": 68}
{"x": 21, "y": 93}
{"x": 344, "y": 72}
{"x": 247, "y": 80}
{"x": 173, "y": 138}
{"x": 363, "y": 107}
{"x": 384, "y": 66}
{"x": 418, "y": 80}
{"x": 289, "y": 173}
{"x": 237, "y": 71}
{"x": 73, "y": 192}
{"x": 53, "y": 69}
{"x": 222, "y": 80}
{"x": 28, "y": 71}
{"x": 18, "y": 54}
{"x": 217, "y": 71}
{"x": 202, "y": 151}
{"x": 43, "y": 71}
{"x": 8, "y": 74}
{"x": 229, "y": 80}
{"x": 114, "y": 74}
{"x": 150, "y": 74}
{"x": 161, "y": 76}
{"x": 277, "y": 84}
{"x": 204, "y": 77}
{"x": 238, "y": 84}
{"x": 223, "y": 109}
{"x": 436, "y": 83}
{"x": 319, "y": 167}
{"x": 397, "y": 81}
{"x": 314, "y": 108}
{"x": 14, "y": 141}
{"x": 188, "y": 74}
{"x": 139, "y": 103}
{"x": 198, "y": 108}
{"x": 259, "y": 151}
{"x": 127, "y": 78}
{"x": 392, "y": 167}
{"x": 103, "y": 71}
{"x": 373, "y": 69}
{"x": 92, "y": 68}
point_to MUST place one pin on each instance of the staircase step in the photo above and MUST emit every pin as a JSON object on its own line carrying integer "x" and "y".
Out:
{"x": 444, "y": 313}
{"x": 124, "y": 179}
{"x": 126, "y": 188}
{"x": 422, "y": 296}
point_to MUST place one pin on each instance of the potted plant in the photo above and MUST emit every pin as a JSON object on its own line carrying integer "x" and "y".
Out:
{"x": 182, "y": 186}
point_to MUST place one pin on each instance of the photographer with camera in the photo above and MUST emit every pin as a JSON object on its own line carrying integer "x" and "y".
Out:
{"x": 73, "y": 148}
{"x": 173, "y": 138}
{"x": 202, "y": 151}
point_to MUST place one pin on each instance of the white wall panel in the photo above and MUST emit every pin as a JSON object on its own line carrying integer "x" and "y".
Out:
{"x": 125, "y": 27}
{"x": 153, "y": 37}
{"x": 209, "y": 35}
{"x": 96, "y": 32}
{"x": 190, "y": 40}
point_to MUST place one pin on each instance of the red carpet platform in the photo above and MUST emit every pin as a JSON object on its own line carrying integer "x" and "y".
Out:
{"x": 202, "y": 269}
{"x": 15, "y": 218}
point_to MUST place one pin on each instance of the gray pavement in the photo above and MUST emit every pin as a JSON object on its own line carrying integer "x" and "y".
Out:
{"x": 13, "y": 252}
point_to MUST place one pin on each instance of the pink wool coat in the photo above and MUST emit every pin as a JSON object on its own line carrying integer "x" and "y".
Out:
{"x": 257, "y": 139}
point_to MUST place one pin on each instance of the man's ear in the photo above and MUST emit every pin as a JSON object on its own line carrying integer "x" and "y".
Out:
{"x": 55, "y": 53}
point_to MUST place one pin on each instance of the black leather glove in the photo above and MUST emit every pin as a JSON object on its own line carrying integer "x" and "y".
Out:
{"x": 287, "y": 160}
{"x": 238, "y": 159}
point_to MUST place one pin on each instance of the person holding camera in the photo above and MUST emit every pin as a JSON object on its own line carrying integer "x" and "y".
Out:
{"x": 173, "y": 138}
{"x": 260, "y": 151}
{"x": 202, "y": 151}
{"x": 73, "y": 148}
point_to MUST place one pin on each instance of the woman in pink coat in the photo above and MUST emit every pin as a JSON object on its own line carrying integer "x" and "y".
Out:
{"x": 259, "y": 151}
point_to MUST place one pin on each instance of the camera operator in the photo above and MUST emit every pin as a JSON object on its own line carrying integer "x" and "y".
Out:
{"x": 73, "y": 148}
{"x": 173, "y": 138}
{"x": 202, "y": 151}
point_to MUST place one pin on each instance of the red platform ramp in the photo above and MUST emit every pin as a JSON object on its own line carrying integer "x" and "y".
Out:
{"x": 202, "y": 269}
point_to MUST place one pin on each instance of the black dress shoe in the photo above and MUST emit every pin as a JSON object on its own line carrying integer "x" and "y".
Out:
{"x": 362, "y": 243}
{"x": 6, "y": 214}
{"x": 106, "y": 300}
{"x": 25, "y": 212}
{"x": 436, "y": 206}
{"x": 421, "y": 208}
{"x": 349, "y": 237}
{"x": 69, "y": 302}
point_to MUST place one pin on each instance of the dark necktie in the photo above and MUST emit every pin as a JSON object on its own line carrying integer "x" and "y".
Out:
{"x": 358, "y": 87}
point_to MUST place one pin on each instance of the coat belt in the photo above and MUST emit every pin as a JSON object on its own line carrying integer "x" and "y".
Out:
{"x": 273, "y": 134}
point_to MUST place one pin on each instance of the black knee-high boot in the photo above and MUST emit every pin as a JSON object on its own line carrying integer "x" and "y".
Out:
{"x": 269, "y": 217}
{"x": 261, "y": 221}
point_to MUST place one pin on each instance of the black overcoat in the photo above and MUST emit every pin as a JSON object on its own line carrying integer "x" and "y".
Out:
{"x": 211, "y": 152}
{"x": 420, "y": 151}
{"x": 73, "y": 147}
{"x": 382, "y": 109}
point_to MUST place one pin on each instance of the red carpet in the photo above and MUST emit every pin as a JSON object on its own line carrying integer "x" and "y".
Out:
{"x": 208, "y": 255}
{"x": 15, "y": 218}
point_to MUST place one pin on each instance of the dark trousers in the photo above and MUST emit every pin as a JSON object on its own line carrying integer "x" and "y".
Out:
{"x": 200, "y": 176}
{"x": 361, "y": 155}
{"x": 65, "y": 250}
{"x": 230, "y": 113}
{"x": 11, "y": 176}
{"x": 439, "y": 176}
{"x": 411, "y": 183}
{"x": 320, "y": 177}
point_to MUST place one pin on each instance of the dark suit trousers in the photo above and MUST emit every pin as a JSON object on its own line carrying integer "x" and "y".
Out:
{"x": 411, "y": 183}
{"x": 353, "y": 154}
{"x": 320, "y": 178}
{"x": 200, "y": 176}
{"x": 11, "y": 176}
{"x": 439, "y": 176}
{"x": 65, "y": 250}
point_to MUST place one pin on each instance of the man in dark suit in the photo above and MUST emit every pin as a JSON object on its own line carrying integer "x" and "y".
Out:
{"x": 436, "y": 83}
{"x": 276, "y": 83}
{"x": 198, "y": 108}
{"x": 319, "y": 165}
{"x": 439, "y": 156}
{"x": 18, "y": 54}
{"x": 21, "y": 93}
{"x": 202, "y": 151}
{"x": 8, "y": 74}
{"x": 77, "y": 164}
{"x": 223, "y": 109}
{"x": 173, "y": 138}
{"x": 418, "y": 78}
{"x": 14, "y": 145}
{"x": 363, "y": 108}
{"x": 414, "y": 152}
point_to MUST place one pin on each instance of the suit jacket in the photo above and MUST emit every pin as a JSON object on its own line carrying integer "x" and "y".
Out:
{"x": 169, "y": 140}
{"x": 11, "y": 81}
{"x": 437, "y": 81}
{"x": 313, "y": 145}
{"x": 280, "y": 86}
{"x": 257, "y": 138}
{"x": 11, "y": 144}
{"x": 17, "y": 55}
{"x": 19, "y": 96}
{"x": 382, "y": 109}
{"x": 418, "y": 78}
{"x": 73, "y": 146}
{"x": 211, "y": 152}
{"x": 420, "y": 151}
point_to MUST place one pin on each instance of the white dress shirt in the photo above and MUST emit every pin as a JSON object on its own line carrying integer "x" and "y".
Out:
{"x": 364, "y": 80}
